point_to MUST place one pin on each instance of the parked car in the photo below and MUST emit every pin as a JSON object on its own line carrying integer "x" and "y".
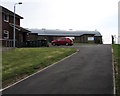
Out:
{"x": 62, "y": 41}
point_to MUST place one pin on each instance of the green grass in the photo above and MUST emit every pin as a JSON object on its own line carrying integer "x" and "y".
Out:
{"x": 21, "y": 62}
{"x": 117, "y": 59}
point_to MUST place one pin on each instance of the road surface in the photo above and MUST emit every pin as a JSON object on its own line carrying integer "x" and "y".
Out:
{"x": 89, "y": 71}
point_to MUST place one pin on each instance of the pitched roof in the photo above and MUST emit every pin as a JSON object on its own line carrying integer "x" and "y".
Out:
{"x": 19, "y": 28}
{"x": 63, "y": 32}
{"x": 6, "y": 11}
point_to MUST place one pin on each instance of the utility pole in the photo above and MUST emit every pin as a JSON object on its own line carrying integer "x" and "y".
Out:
{"x": 112, "y": 39}
{"x": 14, "y": 24}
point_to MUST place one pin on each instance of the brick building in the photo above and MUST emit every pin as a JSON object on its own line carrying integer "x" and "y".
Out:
{"x": 22, "y": 34}
{"x": 79, "y": 36}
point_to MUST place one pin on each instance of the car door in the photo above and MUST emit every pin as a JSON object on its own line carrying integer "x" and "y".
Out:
{"x": 63, "y": 41}
{"x": 58, "y": 41}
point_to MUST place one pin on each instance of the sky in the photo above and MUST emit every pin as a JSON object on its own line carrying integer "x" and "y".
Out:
{"x": 100, "y": 15}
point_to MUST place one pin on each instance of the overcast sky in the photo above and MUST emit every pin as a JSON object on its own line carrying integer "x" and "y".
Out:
{"x": 69, "y": 14}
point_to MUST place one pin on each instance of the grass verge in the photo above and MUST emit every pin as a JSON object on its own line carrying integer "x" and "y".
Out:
{"x": 21, "y": 62}
{"x": 116, "y": 49}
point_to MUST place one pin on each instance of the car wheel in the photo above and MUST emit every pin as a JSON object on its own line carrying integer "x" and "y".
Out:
{"x": 67, "y": 44}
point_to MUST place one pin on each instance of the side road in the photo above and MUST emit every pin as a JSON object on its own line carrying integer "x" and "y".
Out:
{"x": 87, "y": 72}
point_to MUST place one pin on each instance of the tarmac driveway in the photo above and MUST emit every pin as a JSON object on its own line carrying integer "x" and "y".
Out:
{"x": 89, "y": 71}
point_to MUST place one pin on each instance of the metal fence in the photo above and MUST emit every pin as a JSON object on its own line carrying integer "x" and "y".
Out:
{"x": 9, "y": 43}
{"x": 6, "y": 44}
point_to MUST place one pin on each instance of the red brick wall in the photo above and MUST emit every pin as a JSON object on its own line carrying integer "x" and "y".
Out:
{"x": 17, "y": 20}
{"x": 6, "y": 26}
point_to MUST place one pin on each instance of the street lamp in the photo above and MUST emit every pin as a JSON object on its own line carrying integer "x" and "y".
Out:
{"x": 14, "y": 22}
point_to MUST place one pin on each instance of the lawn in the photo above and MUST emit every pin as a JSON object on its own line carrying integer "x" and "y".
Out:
{"x": 117, "y": 60}
{"x": 21, "y": 62}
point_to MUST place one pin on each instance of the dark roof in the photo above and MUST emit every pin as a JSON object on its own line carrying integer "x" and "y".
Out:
{"x": 6, "y": 11}
{"x": 19, "y": 28}
{"x": 33, "y": 33}
{"x": 63, "y": 32}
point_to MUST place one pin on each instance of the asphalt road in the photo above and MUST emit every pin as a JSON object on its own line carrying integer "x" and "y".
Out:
{"x": 87, "y": 72}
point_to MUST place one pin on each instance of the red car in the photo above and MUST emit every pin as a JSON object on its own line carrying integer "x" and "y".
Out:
{"x": 62, "y": 41}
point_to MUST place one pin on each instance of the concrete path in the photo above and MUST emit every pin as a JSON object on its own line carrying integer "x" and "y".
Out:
{"x": 87, "y": 72}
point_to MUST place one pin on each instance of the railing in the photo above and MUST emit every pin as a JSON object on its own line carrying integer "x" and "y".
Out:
{"x": 9, "y": 43}
{"x": 6, "y": 44}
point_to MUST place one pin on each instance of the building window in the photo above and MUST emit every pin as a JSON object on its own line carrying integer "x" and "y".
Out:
{"x": 6, "y": 34}
{"x": 6, "y": 18}
{"x": 90, "y": 38}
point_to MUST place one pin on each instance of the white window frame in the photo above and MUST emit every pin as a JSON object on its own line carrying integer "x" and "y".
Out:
{"x": 7, "y": 18}
{"x": 7, "y": 33}
{"x": 90, "y": 38}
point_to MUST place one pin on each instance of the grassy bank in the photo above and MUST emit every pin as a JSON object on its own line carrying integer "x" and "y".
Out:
{"x": 117, "y": 63}
{"x": 21, "y": 62}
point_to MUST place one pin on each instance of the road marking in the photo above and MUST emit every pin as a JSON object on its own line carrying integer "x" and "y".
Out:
{"x": 36, "y": 72}
{"x": 113, "y": 73}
